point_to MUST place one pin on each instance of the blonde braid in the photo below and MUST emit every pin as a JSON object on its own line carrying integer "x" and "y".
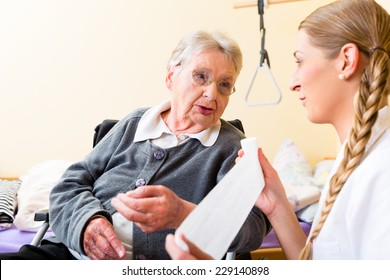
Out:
{"x": 373, "y": 93}
{"x": 367, "y": 105}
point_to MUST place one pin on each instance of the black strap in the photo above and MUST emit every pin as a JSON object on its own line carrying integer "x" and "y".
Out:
{"x": 263, "y": 52}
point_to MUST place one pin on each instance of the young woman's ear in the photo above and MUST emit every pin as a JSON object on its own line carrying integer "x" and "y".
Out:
{"x": 349, "y": 60}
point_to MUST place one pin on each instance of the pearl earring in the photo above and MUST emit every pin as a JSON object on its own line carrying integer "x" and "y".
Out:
{"x": 341, "y": 76}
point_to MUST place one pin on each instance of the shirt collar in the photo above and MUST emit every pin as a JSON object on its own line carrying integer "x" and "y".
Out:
{"x": 151, "y": 126}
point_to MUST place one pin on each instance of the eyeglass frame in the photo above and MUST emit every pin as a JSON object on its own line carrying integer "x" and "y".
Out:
{"x": 208, "y": 81}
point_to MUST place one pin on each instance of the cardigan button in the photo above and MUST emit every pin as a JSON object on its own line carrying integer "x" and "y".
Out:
{"x": 159, "y": 154}
{"x": 140, "y": 182}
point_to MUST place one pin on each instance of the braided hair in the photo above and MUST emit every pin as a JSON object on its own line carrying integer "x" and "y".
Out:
{"x": 367, "y": 25}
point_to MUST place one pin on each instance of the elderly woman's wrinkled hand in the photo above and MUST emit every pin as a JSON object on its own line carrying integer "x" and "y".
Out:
{"x": 101, "y": 242}
{"x": 152, "y": 208}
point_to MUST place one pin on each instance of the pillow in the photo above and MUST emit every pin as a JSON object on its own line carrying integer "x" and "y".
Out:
{"x": 321, "y": 172}
{"x": 320, "y": 177}
{"x": 33, "y": 195}
{"x": 8, "y": 202}
{"x": 307, "y": 214}
{"x": 296, "y": 175}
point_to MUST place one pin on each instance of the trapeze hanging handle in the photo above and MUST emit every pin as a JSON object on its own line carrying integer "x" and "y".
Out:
{"x": 278, "y": 95}
{"x": 264, "y": 64}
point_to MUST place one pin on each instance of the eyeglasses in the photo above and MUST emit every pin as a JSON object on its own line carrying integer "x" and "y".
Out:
{"x": 202, "y": 77}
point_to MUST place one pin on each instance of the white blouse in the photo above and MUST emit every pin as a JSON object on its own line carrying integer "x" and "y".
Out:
{"x": 358, "y": 226}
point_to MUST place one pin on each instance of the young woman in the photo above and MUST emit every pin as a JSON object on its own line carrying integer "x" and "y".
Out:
{"x": 342, "y": 78}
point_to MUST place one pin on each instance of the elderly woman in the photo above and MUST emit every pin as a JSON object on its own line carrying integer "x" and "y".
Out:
{"x": 142, "y": 180}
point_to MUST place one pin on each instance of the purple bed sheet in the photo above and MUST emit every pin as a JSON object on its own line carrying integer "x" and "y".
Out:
{"x": 271, "y": 241}
{"x": 12, "y": 239}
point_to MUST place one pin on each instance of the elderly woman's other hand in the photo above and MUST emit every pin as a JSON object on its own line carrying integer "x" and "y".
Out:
{"x": 152, "y": 208}
{"x": 101, "y": 242}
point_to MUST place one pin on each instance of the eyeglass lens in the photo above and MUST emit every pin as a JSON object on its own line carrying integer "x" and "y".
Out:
{"x": 203, "y": 77}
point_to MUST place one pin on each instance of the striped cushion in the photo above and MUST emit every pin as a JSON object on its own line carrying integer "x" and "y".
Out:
{"x": 8, "y": 192}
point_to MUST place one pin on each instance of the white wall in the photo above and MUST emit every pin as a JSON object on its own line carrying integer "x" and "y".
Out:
{"x": 67, "y": 65}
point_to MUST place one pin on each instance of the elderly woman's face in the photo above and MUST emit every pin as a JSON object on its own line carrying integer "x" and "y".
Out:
{"x": 201, "y": 89}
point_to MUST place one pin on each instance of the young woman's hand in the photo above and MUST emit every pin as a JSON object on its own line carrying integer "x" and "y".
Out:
{"x": 177, "y": 253}
{"x": 273, "y": 193}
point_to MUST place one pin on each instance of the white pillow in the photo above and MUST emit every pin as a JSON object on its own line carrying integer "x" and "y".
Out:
{"x": 33, "y": 194}
{"x": 321, "y": 172}
{"x": 307, "y": 214}
{"x": 296, "y": 175}
{"x": 321, "y": 176}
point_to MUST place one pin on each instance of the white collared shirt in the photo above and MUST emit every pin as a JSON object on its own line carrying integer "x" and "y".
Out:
{"x": 152, "y": 127}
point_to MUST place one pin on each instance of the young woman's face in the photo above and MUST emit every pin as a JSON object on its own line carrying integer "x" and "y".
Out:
{"x": 316, "y": 82}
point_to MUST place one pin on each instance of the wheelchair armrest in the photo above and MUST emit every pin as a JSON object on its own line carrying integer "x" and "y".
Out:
{"x": 41, "y": 216}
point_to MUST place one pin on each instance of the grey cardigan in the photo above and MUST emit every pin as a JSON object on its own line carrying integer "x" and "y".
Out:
{"x": 117, "y": 165}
